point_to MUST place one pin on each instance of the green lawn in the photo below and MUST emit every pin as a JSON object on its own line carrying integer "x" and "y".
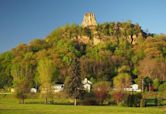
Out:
{"x": 9, "y": 105}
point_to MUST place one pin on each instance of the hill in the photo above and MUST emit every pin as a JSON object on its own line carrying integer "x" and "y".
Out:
{"x": 104, "y": 51}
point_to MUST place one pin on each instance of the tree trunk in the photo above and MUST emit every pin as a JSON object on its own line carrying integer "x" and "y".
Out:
{"x": 75, "y": 102}
{"x": 142, "y": 85}
{"x": 131, "y": 39}
{"x": 46, "y": 101}
{"x": 23, "y": 101}
{"x": 149, "y": 87}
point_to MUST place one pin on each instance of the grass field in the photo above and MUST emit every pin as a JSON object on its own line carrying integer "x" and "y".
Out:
{"x": 9, "y": 105}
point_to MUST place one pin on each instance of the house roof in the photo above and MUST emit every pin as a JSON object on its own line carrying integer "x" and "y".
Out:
{"x": 86, "y": 81}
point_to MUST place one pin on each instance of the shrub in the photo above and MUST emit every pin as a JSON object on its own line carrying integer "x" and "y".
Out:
{"x": 101, "y": 91}
{"x": 149, "y": 95}
{"x": 89, "y": 99}
{"x": 60, "y": 95}
{"x": 156, "y": 84}
{"x": 142, "y": 103}
{"x": 161, "y": 95}
{"x": 162, "y": 87}
{"x": 127, "y": 99}
{"x": 134, "y": 99}
{"x": 118, "y": 97}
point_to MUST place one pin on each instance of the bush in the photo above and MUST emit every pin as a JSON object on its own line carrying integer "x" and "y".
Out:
{"x": 101, "y": 91}
{"x": 142, "y": 103}
{"x": 89, "y": 99}
{"x": 152, "y": 98}
{"x": 118, "y": 97}
{"x": 161, "y": 95}
{"x": 162, "y": 87}
{"x": 61, "y": 95}
{"x": 126, "y": 98}
{"x": 149, "y": 95}
{"x": 134, "y": 99}
{"x": 156, "y": 84}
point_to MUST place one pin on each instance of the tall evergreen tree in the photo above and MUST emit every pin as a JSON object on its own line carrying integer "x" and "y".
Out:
{"x": 73, "y": 83}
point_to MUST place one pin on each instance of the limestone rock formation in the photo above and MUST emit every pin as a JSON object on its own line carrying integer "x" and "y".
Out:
{"x": 89, "y": 20}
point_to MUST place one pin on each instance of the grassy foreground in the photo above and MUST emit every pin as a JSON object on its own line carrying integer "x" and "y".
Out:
{"x": 9, "y": 105}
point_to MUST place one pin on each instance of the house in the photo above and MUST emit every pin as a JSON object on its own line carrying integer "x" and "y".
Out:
{"x": 134, "y": 87}
{"x": 58, "y": 87}
{"x": 87, "y": 84}
{"x": 33, "y": 90}
{"x": 12, "y": 90}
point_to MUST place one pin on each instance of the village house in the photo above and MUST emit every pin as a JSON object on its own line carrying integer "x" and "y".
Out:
{"x": 87, "y": 84}
{"x": 134, "y": 87}
{"x": 58, "y": 88}
{"x": 33, "y": 90}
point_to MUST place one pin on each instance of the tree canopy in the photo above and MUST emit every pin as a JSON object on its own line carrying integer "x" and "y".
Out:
{"x": 124, "y": 48}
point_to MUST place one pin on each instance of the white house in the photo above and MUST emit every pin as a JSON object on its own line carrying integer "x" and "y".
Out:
{"x": 134, "y": 87}
{"x": 12, "y": 90}
{"x": 87, "y": 84}
{"x": 58, "y": 87}
{"x": 33, "y": 90}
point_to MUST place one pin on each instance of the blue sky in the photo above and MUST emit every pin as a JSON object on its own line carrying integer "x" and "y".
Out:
{"x": 23, "y": 20}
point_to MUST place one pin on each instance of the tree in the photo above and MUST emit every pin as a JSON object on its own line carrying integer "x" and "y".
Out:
{"x": 121, "y": 81}
{"x": 147, "y": 81}
{"x": 22, "y": 76}
{"x": 37, "y": 45}
{"x": 46, "y": 70}
{"x": 147, "y": 67}
{"x": 156, "y": 83}
{"x": 124, "y": 49}
{"x": 101, "y": 90}
{"x": 161, "y": 67}
{"x": 5, "y": 69}
{"x": 73, "y": 83}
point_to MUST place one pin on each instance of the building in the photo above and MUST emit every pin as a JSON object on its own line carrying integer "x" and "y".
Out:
{"x": 87, "y": 84}
{"x": 58, "y": 88}
{"x": 134, "y": 87}
{"x": 33, "y": 90}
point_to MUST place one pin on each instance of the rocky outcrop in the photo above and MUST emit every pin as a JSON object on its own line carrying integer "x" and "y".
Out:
{"x": 89, "y": 20}
{"x": 119, "y": 31}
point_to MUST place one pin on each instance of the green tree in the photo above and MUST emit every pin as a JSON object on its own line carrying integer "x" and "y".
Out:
{"x": 46, "y": 70}
{"x": 73, "y": 83}
{"x": 22, "y": 78}
{"x": 147, "y": 81}
{"x": 121, "y": 81}
{"x": 5, "y": 69}
{"x": 156, "y": 83}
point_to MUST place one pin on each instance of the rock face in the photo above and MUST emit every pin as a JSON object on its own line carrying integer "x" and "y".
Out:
{"x": 89, "y": 20}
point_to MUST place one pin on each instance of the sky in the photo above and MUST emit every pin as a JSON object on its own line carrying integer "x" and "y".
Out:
{"x": 24, "y": 20}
